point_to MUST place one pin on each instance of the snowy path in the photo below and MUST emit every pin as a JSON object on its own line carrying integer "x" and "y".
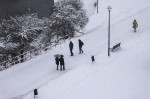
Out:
{"x": 107, "y": 77}
{"x": 123, "y": 75}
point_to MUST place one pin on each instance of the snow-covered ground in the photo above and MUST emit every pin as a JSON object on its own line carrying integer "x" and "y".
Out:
{"x": 123, "y": 75}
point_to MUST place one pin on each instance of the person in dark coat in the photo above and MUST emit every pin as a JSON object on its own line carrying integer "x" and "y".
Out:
{"x": 71, "y": 47}
{"x": 62, "y": 63}
{"x": 57, "y": 62}
{"x": 80, "y": 46}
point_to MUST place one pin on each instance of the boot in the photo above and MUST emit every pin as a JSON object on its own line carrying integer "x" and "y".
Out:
{"x": 63, "y": 67}
{"x": 57, "y": 67}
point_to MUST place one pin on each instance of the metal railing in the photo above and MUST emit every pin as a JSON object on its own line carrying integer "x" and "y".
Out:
{"x": 30, "y": 54}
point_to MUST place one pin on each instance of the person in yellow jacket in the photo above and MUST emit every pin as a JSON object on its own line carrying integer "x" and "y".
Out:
{"x": 135, "y": 25}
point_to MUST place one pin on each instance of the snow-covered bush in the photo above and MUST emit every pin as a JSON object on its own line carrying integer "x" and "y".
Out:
{"x": 20, "y": 31}
{"x": 68, "y": 17}
{"x": 48, "y": 34}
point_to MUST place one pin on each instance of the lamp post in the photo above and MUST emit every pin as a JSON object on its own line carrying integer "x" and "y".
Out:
{"x": 109, "y": 8}
{"x": 29, "y": 10}
{"x": 97, "y": 6}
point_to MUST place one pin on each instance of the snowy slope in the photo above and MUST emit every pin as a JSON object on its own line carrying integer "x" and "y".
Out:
{"x": 123, "y": 75}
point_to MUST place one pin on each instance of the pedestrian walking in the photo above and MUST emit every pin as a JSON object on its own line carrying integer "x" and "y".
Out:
{"x": 80, "y": 46}
{"x": 135, "y": 25}
{"x": 57, "y": 62}
{"x": 71, "y": 47}
{"x": 62, "y": 63}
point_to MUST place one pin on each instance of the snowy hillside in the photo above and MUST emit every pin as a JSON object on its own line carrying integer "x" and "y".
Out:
{"x": 123, "y": 75}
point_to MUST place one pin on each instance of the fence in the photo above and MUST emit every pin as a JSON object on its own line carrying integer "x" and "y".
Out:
{"x": 30, "y": 54}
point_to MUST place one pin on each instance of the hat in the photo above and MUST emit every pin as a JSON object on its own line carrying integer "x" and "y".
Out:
{"x": 62, "y": 55}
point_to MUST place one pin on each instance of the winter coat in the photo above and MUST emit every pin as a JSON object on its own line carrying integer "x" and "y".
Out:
{"x": 135, "y": 25}
{"x": 71, "y": 45}
{"x": 80, "y": 43}
{"x": 57, "y": 60}
{"x": 61, "y": 60}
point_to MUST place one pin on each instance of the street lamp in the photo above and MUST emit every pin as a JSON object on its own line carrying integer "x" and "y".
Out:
{"x": 109, "y": 8}
{"x": 97, "y": 6}
{"x": 29, "y": 10}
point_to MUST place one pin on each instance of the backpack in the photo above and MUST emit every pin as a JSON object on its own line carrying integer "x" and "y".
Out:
{"x": 82, "y": 43}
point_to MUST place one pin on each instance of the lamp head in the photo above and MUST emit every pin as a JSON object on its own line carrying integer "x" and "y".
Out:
{"x": 109, "y": 8}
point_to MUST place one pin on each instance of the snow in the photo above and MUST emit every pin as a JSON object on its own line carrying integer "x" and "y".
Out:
{"x": 123, "y": 75}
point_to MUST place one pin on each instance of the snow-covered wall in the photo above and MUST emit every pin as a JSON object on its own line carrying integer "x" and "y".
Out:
{"x": 42, "y": 7}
